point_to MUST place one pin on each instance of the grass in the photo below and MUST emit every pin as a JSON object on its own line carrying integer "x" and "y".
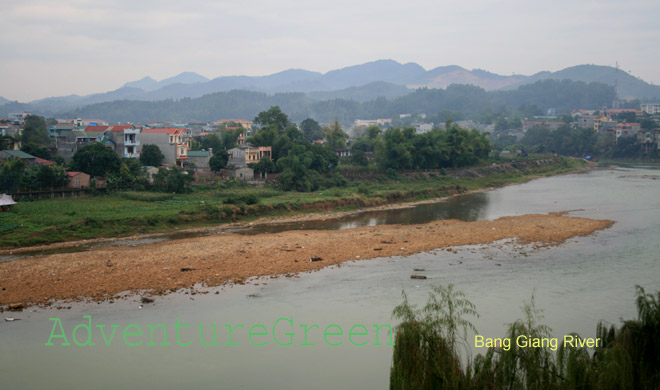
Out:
{"x": 55, "y": 220}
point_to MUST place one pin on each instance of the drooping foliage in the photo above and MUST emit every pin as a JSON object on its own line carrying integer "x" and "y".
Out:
{"x": 427, "y": 351}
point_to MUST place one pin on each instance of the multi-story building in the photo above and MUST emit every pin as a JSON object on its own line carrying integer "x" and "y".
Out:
{"x": 174, "y": 143}
{"x": 651, "y": 108}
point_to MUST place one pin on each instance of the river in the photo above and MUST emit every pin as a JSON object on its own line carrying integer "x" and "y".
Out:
{"x": 576, "y": 284}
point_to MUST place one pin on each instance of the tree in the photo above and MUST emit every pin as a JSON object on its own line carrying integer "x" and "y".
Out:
{"x": 311, "y": 130}
{"x": 130, "y": 175}
{"x": 172, "y": 180}
{"x": 35, "y": 130}
{"x": 44, "y": 177}
{"x": 229, "y": 138}
{"x": 273, "y": 117}
{"x": 303, "y": 165}
{"x": 11, "y": 173}
{"x": 96, "y": 160}
{"x": 210, "y": 141}
{"x": 335, "y": 137}
{"x": 219, "y": 160}
{"x": 648, "y": 124}
{"x": 265, "y": 165}
{"x": 151, "y": 156}
{"x": 37, "y": 150}
{"x": 426, "y": 348}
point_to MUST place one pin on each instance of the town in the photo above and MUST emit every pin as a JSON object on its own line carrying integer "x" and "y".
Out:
{"x": 244, "y": 150}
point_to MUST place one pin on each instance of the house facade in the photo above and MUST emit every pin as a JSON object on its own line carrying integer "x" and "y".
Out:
{"x": 174, "y": 143}
{"x": 243, "y": 155}
{"x": 78, "y": 180}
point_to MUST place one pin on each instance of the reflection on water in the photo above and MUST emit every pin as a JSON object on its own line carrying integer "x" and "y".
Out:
{"x": 469, "y": 207}
{"x": 576, "y": 284}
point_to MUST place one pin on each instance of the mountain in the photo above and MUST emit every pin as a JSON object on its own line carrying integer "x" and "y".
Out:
{"x": 3, "y": 100}
{"x": 364, "y": 93}
{"x": 364, "y": 82}
{"x": 146, "y": 84}
{"x": 464, "y": 100}
{"x": 183, "y": 78}
{"x": 382, "y": 70}
{"x": 628, "y": 86}
{"x": 444, "y": 76}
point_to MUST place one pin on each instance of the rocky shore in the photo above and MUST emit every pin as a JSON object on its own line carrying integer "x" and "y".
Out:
{"x": 214, "y": 260}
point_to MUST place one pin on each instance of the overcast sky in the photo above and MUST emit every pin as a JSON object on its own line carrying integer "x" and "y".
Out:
{"x": 55, "y": 48}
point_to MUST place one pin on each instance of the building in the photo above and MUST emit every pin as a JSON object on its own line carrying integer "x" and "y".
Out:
{"x": 526, "y": 125}
{"x": 11, "y": 154}
{"x": 421, "y": 128}
{"x": 18, "y": 118}
{"x": 200, "y": 158}
{"x": 124, "y": 138}
{"x": 78, "y": 180}
{"x": 617, "y": 111}
{"x": 241, "y": 173}
{"x": 372, "y": 122}
{"x": 55, "y": 130}
{"x": 624, "y": 130}
{"x": 244, "y": 123}
{"x": 245, "y": 154}
{"x": 651, "y": 108}
{"x": 80, "y": 123}
{"x": 173, "y": 142}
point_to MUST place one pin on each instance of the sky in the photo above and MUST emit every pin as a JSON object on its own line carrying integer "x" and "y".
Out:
{"x": 57, "y": 48}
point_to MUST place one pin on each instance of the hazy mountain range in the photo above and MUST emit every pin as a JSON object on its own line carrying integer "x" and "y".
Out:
{"x": 365, "y": 82}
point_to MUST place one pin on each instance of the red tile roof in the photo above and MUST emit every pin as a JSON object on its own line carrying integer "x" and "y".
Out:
{"x": 164, "y": 130}
{"x": 233, "y": 120}
{"x": 73, "y": 173}
{"x": 110, "y": 128}
{"x": 44, "y": 162}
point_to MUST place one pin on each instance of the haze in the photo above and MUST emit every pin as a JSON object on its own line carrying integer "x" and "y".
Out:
{"x": 82, "y": 47}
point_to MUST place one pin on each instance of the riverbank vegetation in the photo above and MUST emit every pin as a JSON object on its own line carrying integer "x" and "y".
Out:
{"x": 431, "y": 346}
{"x": 130, "y": 212}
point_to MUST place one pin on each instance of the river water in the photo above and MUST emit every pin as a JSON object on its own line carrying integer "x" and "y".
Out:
{"x": 578, "y": 283}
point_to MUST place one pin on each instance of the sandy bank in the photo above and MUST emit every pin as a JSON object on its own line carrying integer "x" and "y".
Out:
{"x": 212, "y": 260}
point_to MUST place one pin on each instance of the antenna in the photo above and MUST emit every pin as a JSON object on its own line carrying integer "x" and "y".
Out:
{"x": 615, "y": 102}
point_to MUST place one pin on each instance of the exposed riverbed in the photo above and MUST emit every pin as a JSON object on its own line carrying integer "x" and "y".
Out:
{"x": 577, "y": 283}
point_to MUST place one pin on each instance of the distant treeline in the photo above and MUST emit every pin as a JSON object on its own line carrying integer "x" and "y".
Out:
{"x": 469, "y": 100}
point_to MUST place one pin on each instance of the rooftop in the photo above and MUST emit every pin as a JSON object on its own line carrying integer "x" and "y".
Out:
{"x": 165, "y": 130}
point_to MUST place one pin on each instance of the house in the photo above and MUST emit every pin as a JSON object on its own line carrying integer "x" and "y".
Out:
{"x": 124, "y": 138}
{"x": 78, "y": 180}
{"x": 343, "y": 153}
{"x": 88, "y": 122}
{"x": 56, "y": 129}
{"x": 244, "y": 123}
{"x": 241, "y": 173}
{"x": 200, "y": 158}
{"x": 372, "y": 122}
{"x": 623, "y": 130}
{"x": 173, "y": 142}
{"x": 245, "y": 154}
{"x": 10, "y": 154}
{"x": 18, "y": 118}
{"x": 421, "y": 128}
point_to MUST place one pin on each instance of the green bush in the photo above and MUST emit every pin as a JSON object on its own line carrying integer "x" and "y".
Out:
{"x": 241, "y": 199}
{"x": 146, "y": 196}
